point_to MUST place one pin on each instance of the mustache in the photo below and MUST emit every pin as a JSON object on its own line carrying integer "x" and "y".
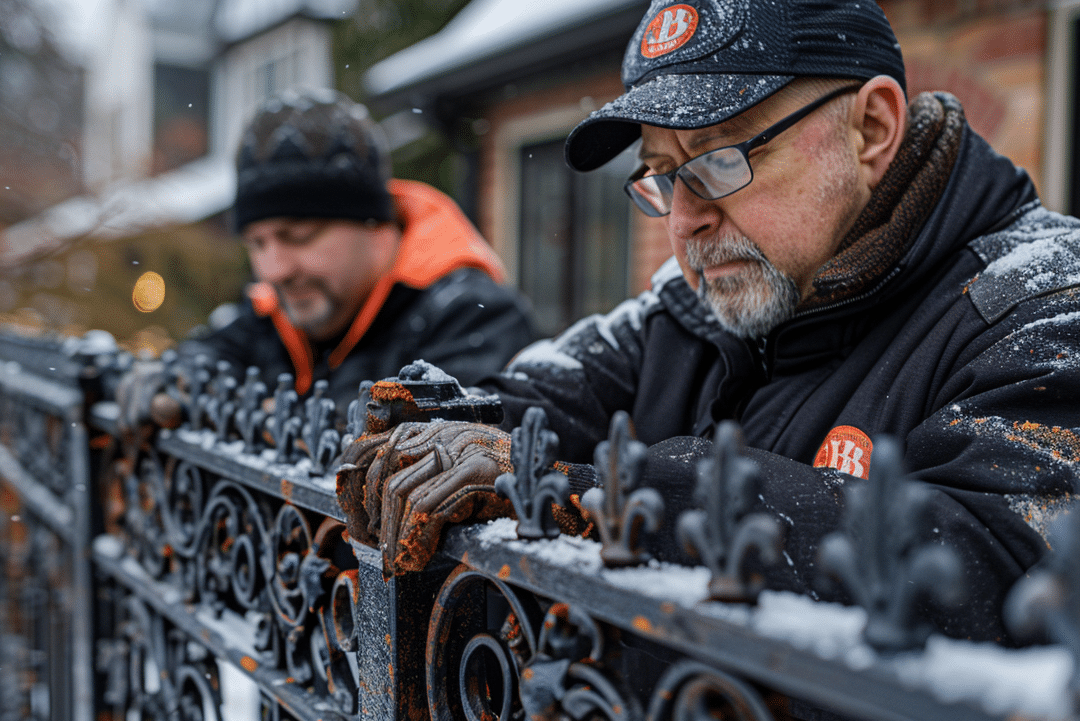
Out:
{"x": 301, "y": 283}
{"x": 701, "y": 254}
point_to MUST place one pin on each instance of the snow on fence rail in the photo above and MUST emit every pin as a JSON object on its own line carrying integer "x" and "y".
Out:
{"x": 206, "y": 575}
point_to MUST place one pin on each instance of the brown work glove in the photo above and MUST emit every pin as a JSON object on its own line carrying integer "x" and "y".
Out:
{"x": 418, "y": 478}
{"x": 355, "y": 461}
{"x": 144, "y": 405}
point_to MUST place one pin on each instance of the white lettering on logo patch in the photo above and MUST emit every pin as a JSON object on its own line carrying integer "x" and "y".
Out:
{"x": 669, "y": 30}
{"x": 847, "y": 449}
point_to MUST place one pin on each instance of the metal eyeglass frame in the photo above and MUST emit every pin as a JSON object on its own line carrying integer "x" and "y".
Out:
{"x": 641, "y": 187}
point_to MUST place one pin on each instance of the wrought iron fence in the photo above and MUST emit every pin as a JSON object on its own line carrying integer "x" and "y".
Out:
{"x": 205, "y": 574}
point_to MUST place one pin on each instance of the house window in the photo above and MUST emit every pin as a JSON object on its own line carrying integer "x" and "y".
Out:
{"x": 574, "y": 256}
{"x": 277, "y": 75}
{"x": 181, "y": 116}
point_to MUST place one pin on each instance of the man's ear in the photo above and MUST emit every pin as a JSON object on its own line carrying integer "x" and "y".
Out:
{"x": 880, "y": 119}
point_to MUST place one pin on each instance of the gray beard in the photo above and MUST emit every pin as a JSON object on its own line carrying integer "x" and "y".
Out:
{"x": 754, "y": 302}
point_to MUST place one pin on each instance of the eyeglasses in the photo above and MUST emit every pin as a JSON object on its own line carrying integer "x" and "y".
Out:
{"x": 714, "y": 174}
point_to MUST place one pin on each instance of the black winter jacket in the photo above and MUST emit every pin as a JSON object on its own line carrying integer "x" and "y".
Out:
{"x": 465, "y": 323}
{"x": 968, "y": 352}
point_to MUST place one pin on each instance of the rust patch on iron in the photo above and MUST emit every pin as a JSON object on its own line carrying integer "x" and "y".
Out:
{"x": 286, "y": 489}
{"x": 249, "y": 664}
{"x": 642, "y": 624}
{"x": 504, "y": 572}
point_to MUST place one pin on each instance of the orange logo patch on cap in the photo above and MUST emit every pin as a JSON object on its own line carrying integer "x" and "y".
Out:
{"x": 847, "y": 449}
{"x": 669, "y": 30}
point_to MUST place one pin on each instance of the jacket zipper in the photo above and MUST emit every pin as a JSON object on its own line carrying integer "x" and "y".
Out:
{"x": 763, "y": 342}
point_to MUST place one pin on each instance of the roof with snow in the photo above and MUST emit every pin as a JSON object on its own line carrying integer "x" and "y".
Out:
{"x": 493, "y": 41}
{"x": 236, "y": 20}
{"x": 196, "y": 191}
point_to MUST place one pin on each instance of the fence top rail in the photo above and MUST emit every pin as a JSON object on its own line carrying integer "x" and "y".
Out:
{"x": 809, "y": 649}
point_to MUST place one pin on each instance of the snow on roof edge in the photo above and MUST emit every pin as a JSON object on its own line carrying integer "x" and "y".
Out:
{"x": 241, "y": 19}
{"x": 482, "y": 29}
{"x": 188, "y": 194}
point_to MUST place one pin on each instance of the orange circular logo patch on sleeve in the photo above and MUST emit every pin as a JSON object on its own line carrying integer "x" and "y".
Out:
{"x": 847, "y": 449}
{"x": 669, "y": 30}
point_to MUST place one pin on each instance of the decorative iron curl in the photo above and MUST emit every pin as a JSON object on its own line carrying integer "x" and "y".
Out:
{"x": 230, "y": 563}
{"x": 882, "y": 557}
{"x": 332, "y": 596}
{"x": 566, "y": 676}
{"x": 692, "y": 691}
{"x": 620, "y": 510}
{"x": 473, "y": 666}
{"x": 145, "y": 502}
{"x": 162, "y": 674}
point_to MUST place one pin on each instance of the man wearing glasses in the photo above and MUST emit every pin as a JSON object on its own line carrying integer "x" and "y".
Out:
{"x": 846, "y": 264}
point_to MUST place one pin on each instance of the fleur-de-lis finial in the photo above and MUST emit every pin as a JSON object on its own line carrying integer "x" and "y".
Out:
{"x": 620, "y": 510}
{"x": 284, "y": 426}
{"x": 198, "y": 378}
{"x": 534, "y": 486}
{"x": 1047, "y": 601}
{"x": 356, "y": 425}
{"x": 320, "y": 437}
{"x": 221, "y": 404}
{"x": 724, "y": 533}
{"x": 883, "y": 558}
{"x": 250, "y": 415}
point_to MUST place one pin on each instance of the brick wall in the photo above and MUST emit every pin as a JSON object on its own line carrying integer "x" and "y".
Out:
{"x": 990, "y": 55}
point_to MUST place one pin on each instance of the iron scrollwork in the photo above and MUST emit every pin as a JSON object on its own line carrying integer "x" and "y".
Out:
{"x": 153, "y": 671}
{"x": 297, "y": 588}
{"x": 474, "y": 662}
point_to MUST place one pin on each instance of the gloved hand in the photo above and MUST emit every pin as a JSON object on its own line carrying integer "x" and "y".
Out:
{"x": 144, "y": 406}
{"x": 416, "y": 479}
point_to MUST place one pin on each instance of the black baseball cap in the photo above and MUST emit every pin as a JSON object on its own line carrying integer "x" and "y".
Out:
{"x": 696, "y": 63}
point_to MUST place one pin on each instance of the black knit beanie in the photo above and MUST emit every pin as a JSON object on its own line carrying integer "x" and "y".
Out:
{"x": 312, "y": 155}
